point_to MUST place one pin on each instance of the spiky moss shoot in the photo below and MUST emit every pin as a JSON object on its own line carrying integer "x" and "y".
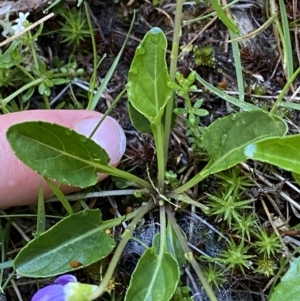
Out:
{"x": 204, "y": 56}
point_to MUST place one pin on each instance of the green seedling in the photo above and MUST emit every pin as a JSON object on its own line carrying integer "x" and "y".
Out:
{"x": 63, "y": 155}
{"x": 267, "y": 244}
{"x": 75, "y": 29}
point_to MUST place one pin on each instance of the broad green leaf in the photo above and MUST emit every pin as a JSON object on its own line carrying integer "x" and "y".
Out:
{"x": 57, "y": 152}
{"x": 139, "y": 121}
{"x": 80, "y": 237}
{"x": 154, "y": 278}
{"x": 172, "y": 244}
{"x": 289, "y": 288}
{"x": 148, "y": 76}
{"x": 282, "y": 152}
{"x": 226, "y": 138}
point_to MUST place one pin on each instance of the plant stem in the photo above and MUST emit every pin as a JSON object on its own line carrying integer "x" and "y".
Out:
{"x": 94, "y": 100}
{"x": 46, "y": 100}
{"x": 159, "y": 138}
{"x": 33, "y": 52}
{"x": 173, "y": 67}
{"x": 162, "y": 221}
{"x": 126, "y": 236}
{"x": 94, "y": 75}
{"x": 108, "y": 112}
{"x": 21, "y": 68}
{"x": 192, "y": 182}
{"x": 25, "y": 87}
{"x": 284, "y": 90}
{"x": 189, "y": 255}
{"x": 186, "y": 199}
{"x": 110, "y": 170}
{"x": 119, "y": 220}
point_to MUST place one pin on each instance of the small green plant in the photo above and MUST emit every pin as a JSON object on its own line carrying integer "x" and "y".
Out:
{"x": 228, "y": 206}
{"x": 267, "y": 244}
{"x": 182, "y": 293}
{"x": 236, "y": 256}
{"x": 73, "y": 159}
{"x": 234, "y": 177}
{"x": 192, "y": 112}
{"x": 266, "y": 266}
{"x": 204, "y": 56}
{"x": 244, "y": 225}
{"x": 214, "y": 275}
{"x": 24, "y": 67}
{"x": 74, "y": 29}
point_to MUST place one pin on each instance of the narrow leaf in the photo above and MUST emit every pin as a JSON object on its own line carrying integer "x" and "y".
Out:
{"x": 95, "y": 99}
{"x": 155, "y": 278}
{"x": 226, "y": 138}
{"x": 41, "y": 219}
{"x": 241, "y": 104}
{"x": 227, "y": 21}
{"x": 57, "y": 152}
{"x": 148, "y": 76}
{"x": 282, "y": 152}
{"x": 80, "y": 237}
{"x": 61, "y": 196}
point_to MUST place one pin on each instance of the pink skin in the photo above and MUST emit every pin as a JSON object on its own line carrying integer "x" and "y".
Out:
{"x": 19, "y": 185}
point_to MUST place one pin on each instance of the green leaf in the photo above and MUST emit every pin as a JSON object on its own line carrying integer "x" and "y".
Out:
{"x": 57, "y": 152}
{"x": 48, "y": 83}
{"x": 226, "y": 138}
{"x": 139, "y": 121}
{"x": 241, "y": 104}
{"x": 282, "y": 152}
{"x": 80, "y": 237}
{"x": 40, "y": 218}
{"x": 154, "y": 278}
{"x": 5, "y": 61}
{"x": 226, "y": 19}
{"x": 61, "y": 196}
{"x": 296, "y": 177}
{"x": 288, "y": 288}
{"x": 59, "y": 81}
{"x": 172, "y": 244}
{"x": 148, "y": 76}
{"x": 42, "y": 89}
{"x": 95, "y": 99}
{"x": 28, "y": 94}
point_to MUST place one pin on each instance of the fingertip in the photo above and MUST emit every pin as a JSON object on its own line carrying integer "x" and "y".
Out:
{"x": 20, "y": 184}
{"x": 109, "y": 135}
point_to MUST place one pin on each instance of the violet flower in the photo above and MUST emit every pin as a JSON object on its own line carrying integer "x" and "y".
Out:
{"x": 65, "y": 288}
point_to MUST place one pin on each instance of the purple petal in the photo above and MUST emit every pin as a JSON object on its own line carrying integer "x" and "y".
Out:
{"x": 63, "y": 280}
{"x": 54, "y": 292}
